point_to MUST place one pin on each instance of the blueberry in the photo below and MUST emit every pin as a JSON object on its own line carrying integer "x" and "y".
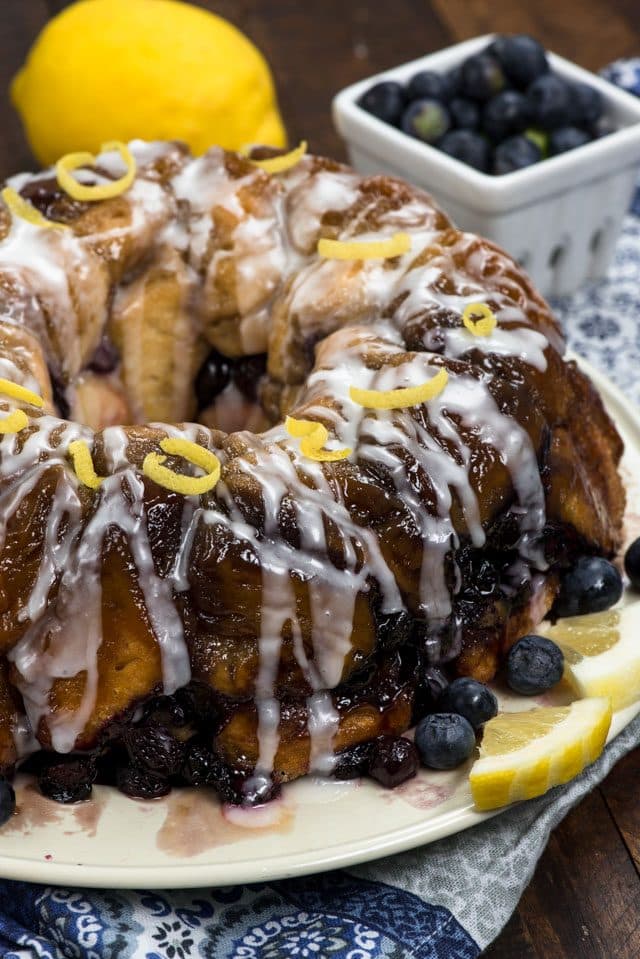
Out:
{"x": 258, "y": 790}
{"x": 385, "y": 101}
{"x": 393, "y": 760}
{"x": 212, "y": 377}
{"x": 550, "y": 101}
{"x": 468, "y": 147}
{"x": 140, "y": 783}
{"x": 522, "y": 58}
{"x": 200, "y": 765}
{"x": 166, "y": 711}
{"x": 515, "y": 154}
{"x": 505, "y": 114}
{"x": 465, "y": 114}
{"x": 203, "y": 767}
{"x": 444, "y": 740}
{"x": 534, "y": 664}
{"x": 431, "y": 682}
{"x": 454, "y": 80}
{"x": 155, "y": 749}
{"x": 428, "y": 85}
{"x": 482, "y": 77}
{"x": 539, "y": 138}
{"x": 106, "y": 357}
{"x": 247, "y": 373}
{"x": 434, "y": 680}
{"x": 471, "y": 699}
{"x": 567, "y": 138}
{"x": 632, "y": 563}
{"x": 602, "y": 127}
{"x": 7, "y": 801}
{"x": 49, "y": 199}
{"x": 393, "y": 629}
{"x": 353, "y": 762}
{"x": 67, "y": 779}
{"x": 427, "y": 120}
{"x": 199, "y": 705}
{"x": 587, "y": 104}
{"x": 593, "y": 585}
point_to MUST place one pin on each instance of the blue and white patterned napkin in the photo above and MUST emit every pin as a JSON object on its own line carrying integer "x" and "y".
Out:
{"x": 448, "y": 900}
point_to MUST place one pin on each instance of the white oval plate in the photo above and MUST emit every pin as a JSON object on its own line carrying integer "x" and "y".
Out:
{"x": 187, "y": 840}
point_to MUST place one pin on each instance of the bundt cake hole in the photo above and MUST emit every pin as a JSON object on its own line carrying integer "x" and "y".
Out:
{"x": 226, "y": 391}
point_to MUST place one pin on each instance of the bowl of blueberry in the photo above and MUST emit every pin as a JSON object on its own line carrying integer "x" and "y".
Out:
{"x": 516, "y": 143}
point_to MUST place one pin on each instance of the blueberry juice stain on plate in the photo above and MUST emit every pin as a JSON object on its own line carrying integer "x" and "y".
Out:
{"x": 35, "y": 811}
{"x": 196, "y": 821}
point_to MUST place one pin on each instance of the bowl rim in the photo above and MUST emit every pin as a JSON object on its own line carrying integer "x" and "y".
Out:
{"x": 356, "y": 124}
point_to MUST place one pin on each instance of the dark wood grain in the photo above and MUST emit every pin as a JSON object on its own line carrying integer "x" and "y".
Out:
{"x": 622, "y": 802}
{"x": 315, "y": 48}
{"x": 584, "y": 900}
{"x": 20, "y": 21}
{"x": 591, "y": 33}
{"x": 584, "y": 866}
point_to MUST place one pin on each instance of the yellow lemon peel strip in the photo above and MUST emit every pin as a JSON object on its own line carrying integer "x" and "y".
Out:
{"x": 313, "y": 437}
{"x": 20, "y": 207}
{"x": 99, "y": 191}
{"x": 177, "y": 482}
{"x": 283, "y": 162}
{"x": 14, "y": 422}
{"x": 479, "y": 319}
{"x": 20, "y": 393}
{"x": 298, "y": 428}
{"x": 398, "y": 244}
{"x": 83, "y": 464}
{"x": 399, "y": 399}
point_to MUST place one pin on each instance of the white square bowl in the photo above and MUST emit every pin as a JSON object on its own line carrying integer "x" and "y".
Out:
{"x": 559, "y": 218}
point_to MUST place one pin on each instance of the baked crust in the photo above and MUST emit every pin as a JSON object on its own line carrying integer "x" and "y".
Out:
{"x": 279, "y": 587}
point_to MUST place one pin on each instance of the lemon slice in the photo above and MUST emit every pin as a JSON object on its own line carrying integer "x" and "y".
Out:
{"x": 523, "y": 754}
{"x": 602, "y": 654}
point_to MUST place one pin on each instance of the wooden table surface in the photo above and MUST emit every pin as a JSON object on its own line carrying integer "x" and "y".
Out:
{"x": 584, "y": 900}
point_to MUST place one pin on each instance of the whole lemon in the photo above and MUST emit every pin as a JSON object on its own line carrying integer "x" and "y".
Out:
{"x": 154, "y": 69}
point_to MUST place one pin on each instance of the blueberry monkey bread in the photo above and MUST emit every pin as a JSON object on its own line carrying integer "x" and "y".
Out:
{"x": 381, "y": 466}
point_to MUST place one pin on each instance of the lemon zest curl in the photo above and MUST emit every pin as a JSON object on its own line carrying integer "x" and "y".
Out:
{"x": 313, "y": 436}
{"x": 83, "y": 464}
{"x": 285, "y": 161}
{"x": 21, "y": 208}
{"x": 14, "y": 422}
{"x": 399, "y": 399}
{"x": 178, "y": 482}
{"x": 479, "y": 319}
{"x": 398, "y": 244}
{"x": 98, "y": 191}
{"x": 20, "y": 393}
